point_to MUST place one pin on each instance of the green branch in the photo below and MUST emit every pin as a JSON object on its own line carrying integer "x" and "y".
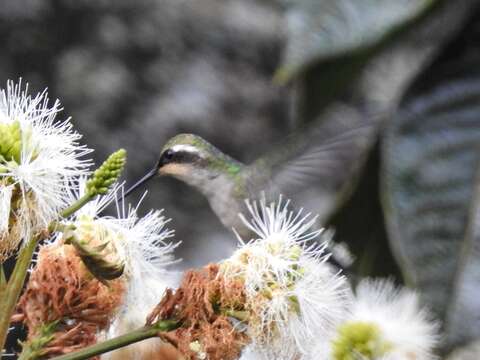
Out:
{"x": 14, "y": 287}
{"x": 121, "y": 341}
{"x": 77, "y": 205}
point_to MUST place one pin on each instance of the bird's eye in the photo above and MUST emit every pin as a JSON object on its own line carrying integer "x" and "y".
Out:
{"x": 168, "y": 154}
{"x": 166, "y": 157}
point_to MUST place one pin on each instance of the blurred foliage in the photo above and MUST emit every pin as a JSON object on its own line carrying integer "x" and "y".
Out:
{"x": 430, "y": 183}
{"x": 411, "y": 67}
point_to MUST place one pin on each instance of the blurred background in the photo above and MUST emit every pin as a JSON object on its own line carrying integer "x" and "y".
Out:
{"x": 132, "y": 74}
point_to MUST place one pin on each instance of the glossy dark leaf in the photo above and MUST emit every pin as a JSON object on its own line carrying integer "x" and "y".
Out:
{"x": 378, "y": 77}
{"x": 322, "y": 30}
{"x": 370, "y": 98}
{"x": 430, "y": 175}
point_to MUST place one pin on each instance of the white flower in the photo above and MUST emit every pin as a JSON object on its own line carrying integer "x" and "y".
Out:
{"x": 141, "y": 243}
{"x": 250, "y": 353}
{"x": 293, "y": 296}
{"x": 40, "y": 158}
{"x": 393, "y": 323}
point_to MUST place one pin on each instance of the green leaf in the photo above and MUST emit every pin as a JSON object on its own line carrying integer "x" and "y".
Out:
{"x": 430, "y": 175}
{"x": 462, "y": 322}
{"x": 318, "y": 31}
{"x": 371, "y": 89}
{"x": 376, "y": 79}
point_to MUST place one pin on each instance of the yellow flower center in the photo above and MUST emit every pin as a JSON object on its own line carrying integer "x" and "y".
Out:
{"x": 359, "y": 340}
{"x": 11, "y": 141}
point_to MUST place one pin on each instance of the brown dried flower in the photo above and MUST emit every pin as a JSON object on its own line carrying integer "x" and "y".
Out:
{"x": 200, "y": 304}
{"x": 61, "y": 289}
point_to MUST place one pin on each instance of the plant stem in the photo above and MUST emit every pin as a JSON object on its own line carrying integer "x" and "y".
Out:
{"x": 11, "y": 291}
{"x": 14, "y": 287}
{"x": 27, "y": 354}
{"x": 3, "y": 279}
{"x": 76, "y": 205}
{"x": 121, "y": 341}
{"x": 56, "y": 226}
{"x": 237, "y": 314}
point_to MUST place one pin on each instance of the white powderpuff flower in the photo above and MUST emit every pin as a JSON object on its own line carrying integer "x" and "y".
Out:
{"x": 141, "y": 243}
{"x": 293, "y": 296}
{"x": 40, "y": 158}
{"x": 250, "y": 353}
{"x": 401, "y": 327}
{"x": 400, "y": 317}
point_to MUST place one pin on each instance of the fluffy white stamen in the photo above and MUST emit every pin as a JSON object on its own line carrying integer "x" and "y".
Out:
{"x": 399, "y": 315}
{"x": 293, "y": 296}
{"x": 41, "y": 177}
{"x": 142, "y": 244}
{"x": 404, "y": 328}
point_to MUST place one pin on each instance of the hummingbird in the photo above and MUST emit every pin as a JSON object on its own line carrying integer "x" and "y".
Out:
{"x": 315, "y": 162}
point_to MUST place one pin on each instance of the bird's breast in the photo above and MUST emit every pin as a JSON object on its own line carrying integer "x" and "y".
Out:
{"x": 227, "y": 208}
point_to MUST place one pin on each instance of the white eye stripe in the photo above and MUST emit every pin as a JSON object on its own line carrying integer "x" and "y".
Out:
{"x": 187, "y": 149}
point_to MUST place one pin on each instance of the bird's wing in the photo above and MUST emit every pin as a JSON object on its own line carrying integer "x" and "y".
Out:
{"x": 313, "y": 165}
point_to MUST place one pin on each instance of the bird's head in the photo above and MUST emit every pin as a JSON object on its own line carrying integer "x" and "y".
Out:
{"x": 193, "y": 160}
{"x": 185, "y": 154}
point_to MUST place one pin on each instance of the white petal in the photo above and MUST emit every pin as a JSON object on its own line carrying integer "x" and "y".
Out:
{"x": 5, "y": 200}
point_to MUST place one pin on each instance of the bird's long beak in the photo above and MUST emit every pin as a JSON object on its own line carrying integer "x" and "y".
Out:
{"x": 144, "y": 179}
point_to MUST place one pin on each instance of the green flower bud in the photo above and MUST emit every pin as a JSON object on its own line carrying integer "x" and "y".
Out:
{"x": 95, "y": 251}
{"x": 34, "y": 348}
{"x": 95, "y": 261}
{"x": 359, "y": 338}
{"x": 96, "y": 264}
{"x": 107, "y": 173}
{"x": 11, "y": 141}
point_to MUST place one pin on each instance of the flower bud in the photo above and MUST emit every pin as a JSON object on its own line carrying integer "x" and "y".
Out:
{"x": 34, "y": 348}
{"x": 95, "y": 245}
{"x": 94, "y": 259}
{"x": 107, "y": 173}
{"x": 11, "y": 141}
